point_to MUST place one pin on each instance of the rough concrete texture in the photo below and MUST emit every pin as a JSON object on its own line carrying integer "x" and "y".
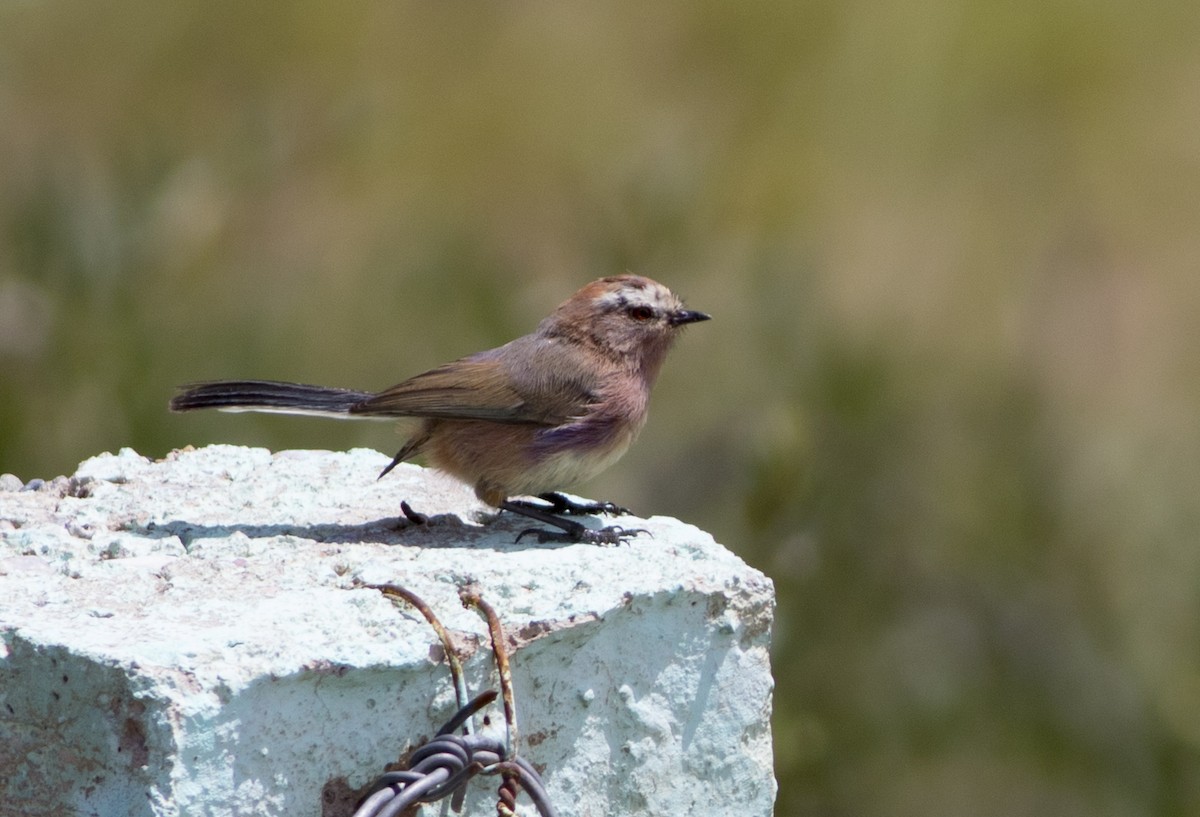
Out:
{"x": 187, "y": 637}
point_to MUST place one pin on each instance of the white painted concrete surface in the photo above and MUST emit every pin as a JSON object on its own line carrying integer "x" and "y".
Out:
{"x": 186, "y": 637}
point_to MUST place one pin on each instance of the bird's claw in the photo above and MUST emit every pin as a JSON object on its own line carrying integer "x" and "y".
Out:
{"x": 612, "y": 535}
{"x": 610, "y": 508}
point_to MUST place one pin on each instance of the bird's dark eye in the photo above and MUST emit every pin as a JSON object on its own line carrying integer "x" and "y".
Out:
{"x": 641, "y": 313}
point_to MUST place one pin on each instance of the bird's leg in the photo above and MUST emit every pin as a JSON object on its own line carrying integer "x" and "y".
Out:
{"x": 568, "y": 529}
{"x": 564, "y": 506}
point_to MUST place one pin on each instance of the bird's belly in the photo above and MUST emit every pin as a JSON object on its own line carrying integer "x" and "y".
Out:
{"x": 512, "y": 460}
{"x": 566, "y": 468}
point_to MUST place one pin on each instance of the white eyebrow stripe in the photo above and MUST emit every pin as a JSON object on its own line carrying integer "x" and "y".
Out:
{"x": 656, "y": 297}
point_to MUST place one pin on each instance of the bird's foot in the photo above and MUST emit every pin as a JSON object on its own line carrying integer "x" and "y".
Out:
{"x": 568, "y": 529}
{"x": 563, "y": 505}
{"x": 575, "y": 533}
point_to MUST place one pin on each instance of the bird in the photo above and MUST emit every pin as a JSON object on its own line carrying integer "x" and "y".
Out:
{"x": 530, "y": 418}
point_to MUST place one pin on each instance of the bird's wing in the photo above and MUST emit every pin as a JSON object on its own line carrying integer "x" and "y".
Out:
{"x": 502, "y": 388}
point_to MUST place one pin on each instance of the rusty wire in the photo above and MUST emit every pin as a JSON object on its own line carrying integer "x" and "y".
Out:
{"x": 442, "y": 766}
{"x": 507, "y": 793}
{"x": 394, "y": 591}
{"x": 472, "y": 599}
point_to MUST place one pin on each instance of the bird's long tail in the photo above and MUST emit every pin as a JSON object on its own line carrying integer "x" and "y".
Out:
{"x": 268, "y": 396}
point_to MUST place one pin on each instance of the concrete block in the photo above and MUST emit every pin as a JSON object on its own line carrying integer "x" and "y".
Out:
{"x": 189, "y": 636}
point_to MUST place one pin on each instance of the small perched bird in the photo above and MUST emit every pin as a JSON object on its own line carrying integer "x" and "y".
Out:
{"x": 531, "y": 417}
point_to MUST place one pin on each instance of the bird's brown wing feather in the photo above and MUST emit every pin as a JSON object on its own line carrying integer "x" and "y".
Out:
{"x": 480, "y": 389}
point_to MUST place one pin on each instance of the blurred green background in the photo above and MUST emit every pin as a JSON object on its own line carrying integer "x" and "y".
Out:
{"x": 949, "y": 400}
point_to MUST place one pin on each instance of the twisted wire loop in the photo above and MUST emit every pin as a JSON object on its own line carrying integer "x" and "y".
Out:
{"x": 443, "y": 765}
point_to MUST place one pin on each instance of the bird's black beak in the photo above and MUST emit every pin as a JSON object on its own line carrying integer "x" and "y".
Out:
{"x": 683, "y": 316}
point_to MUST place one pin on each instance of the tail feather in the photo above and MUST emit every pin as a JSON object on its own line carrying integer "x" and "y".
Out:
{"x": 267, "y": 396}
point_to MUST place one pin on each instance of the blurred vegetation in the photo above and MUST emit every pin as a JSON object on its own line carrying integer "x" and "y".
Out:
{"x": 949, "y": 401}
